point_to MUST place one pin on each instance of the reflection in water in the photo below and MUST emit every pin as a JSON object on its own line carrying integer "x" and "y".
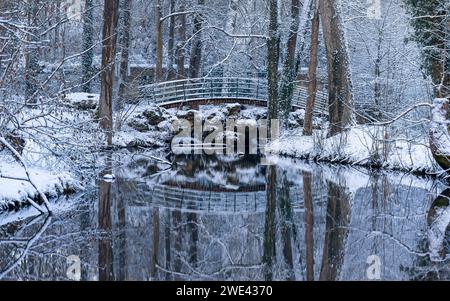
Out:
{"x": 309, "y": 225}
{"x": 230, "y": 218}
{"x": 269, "y": 227}
{"x": 337, "y": 219}
{"x": 286, "y": 225}
{"x": 105, "y": 250}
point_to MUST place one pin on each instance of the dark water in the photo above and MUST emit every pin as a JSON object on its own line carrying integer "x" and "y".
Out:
{"x": 222, "y": 218}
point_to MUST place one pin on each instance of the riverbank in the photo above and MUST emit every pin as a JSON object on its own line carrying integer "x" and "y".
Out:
{"x": 16, "y": 190}
{"x": 366, "y": 146}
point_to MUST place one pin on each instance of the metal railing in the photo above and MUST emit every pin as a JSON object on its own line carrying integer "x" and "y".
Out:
{"x": 180, "y": 91}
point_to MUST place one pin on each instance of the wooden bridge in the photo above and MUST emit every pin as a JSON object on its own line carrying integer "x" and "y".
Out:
{"x": 204, "y": 91}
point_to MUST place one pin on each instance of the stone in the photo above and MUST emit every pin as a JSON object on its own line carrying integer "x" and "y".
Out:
{"x": 82, "y": 101}
{"x": 233, "y": 109}
{"x": 188, "y": 115}
{"x": 139, "y": 124}
{"x": 154, "y": 116}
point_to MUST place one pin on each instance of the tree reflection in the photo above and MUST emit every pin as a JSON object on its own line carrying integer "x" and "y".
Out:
{"x": 338, "y": 213}
{"x": 269, "y": 227}
{"x": 28, "y": 242}
{"x": 155, "y": 242}
{"x": 436, "y": 243}
{"x": 309, "y": 225}
{"x": 105, "y": 250}
{"x": 287, "y": 226}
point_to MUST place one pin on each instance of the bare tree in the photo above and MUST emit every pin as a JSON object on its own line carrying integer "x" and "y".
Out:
{"x": 159, "y": 42}
{"x": 125, "y": 46}
{"x": 32, "y": 51}
{"x": 171, "y": 43}
{"x": 339, "y": 82}
{"x": 312, "y": 73}
{"x": 289, "y": 72}
{"x": 110, "y": 20}
{"x": 88, "y": 50}
{"x": 273, "y": 47}
{"x": 197, "y": 44}
{"x": 181, "y": 73}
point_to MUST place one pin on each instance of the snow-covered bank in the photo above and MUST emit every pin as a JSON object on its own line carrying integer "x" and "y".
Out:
{"x": 15, "y": 189}
{"x": 366, "y": 146}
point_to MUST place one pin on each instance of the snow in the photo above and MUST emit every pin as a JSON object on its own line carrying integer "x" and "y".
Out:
{"x": 79, "y": 96}
{"x": 82, "y": 100}
{"x": 360, "y": 146}
{"x": 109, "y": 178}
{"x": 14, "y": 190}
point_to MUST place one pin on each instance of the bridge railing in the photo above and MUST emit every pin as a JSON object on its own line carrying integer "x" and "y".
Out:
{"x": 301, "y": 96}
{"x": 205, "y": 88}
{"x": 180, "y": 91}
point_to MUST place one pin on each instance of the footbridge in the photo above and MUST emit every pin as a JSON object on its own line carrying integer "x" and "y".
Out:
{"x": 221, "y": 90}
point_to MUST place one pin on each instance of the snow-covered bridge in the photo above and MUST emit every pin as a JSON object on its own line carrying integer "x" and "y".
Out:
{"x": 219, "y": 90}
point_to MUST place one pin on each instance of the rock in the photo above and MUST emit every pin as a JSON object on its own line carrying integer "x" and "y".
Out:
{"x": 139, "y": 124}
{"x": 233, "y": 109}
{"x": 154, "y": 116}
{"x": 296, "y": 119}
{"x": 165, "y": 126}
{"x": 148, "y": 143}
{"x": 214, "y": 116}
{"x": 188, "y": 115}
{"x": 82, "y": 101}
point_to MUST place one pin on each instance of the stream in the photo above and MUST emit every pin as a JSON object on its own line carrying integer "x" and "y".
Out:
{"x": 234, "y": 218}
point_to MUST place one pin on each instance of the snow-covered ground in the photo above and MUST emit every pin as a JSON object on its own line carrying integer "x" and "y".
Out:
{"x": 15, "y": 189}
{"x": 362, "y": 146}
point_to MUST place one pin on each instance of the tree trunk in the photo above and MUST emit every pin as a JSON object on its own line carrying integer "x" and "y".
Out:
{"x": 339, "y": 83}
{"x": 126, "y": 32}
{"x": 31, "y": 54}
{"x": 197, "y": 44}
{"x": 110, "y": 18}
{"x": 290, "y": 72}
{"x": 273, "y": 44}
{"x": 159, "y": 43}
{"x": 171, "y": 43}
{"x": 181, "y": 73}
{"x": 430, "y": 20}
{"x": 88, "y": 51}
{"x": 312, "y": 74}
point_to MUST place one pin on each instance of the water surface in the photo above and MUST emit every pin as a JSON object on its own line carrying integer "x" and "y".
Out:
{"x": 232, "y": 218}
